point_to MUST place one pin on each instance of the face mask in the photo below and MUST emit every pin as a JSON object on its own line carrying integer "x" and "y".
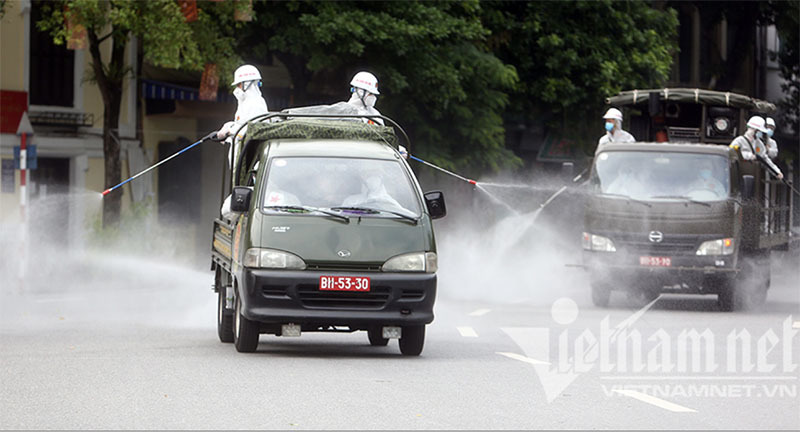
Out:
{"x": 238, "y": 94}
{"x": 705, "y": 174}
{"x": 370, "y": 100}
{"x": 770, "y": 132}
{"x": 609, "y": 126}
{"x": 759, "y": 135}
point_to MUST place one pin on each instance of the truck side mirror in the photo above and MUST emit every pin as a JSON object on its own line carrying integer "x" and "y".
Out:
{"x": 240, "y": 199}
{"x": 434, "y": 200}
{"x": 567, "y": 170}
{"x": 748, "y": 187}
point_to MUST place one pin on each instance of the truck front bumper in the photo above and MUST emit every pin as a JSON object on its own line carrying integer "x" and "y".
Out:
{"x": 624, "y": 270}
{"x": 281, "y": 297}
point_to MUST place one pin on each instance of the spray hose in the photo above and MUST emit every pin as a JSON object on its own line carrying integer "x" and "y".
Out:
{"x": 443, "y": 170}
{"x": 209, "y": 136}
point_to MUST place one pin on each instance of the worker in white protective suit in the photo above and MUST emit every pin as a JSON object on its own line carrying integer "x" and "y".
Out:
{"x": 772, "y": 145}
{"x": 614, "y": 131}
{"x": 247, "y": 80}
{"x": 751, "y": 144}
{"x": 364, "y": 89}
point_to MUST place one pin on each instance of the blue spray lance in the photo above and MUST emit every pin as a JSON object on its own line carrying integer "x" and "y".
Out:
{"x": 185, "y": 149}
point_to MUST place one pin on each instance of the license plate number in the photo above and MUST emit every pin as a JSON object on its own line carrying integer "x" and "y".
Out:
{"x": 655, "y": 261}
{"x": 344, "y": 284}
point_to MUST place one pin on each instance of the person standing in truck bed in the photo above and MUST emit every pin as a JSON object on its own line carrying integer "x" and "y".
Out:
{"x": 614, "y": 131}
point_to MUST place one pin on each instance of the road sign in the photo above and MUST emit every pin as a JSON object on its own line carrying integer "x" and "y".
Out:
{"x": 31, "y": 150}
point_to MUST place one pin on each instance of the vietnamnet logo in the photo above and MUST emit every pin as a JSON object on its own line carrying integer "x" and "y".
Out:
{"x": 675, "y": 362}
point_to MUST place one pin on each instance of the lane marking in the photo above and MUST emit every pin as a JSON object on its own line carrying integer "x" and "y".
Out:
{"x": 466, "y": 331}
{"x": 480, "y": 312}
{"x": 66, "y": 299}
{"x": 663, "y": 404}
{"x": 796, "y": 325}
{"x": 698, "y": 377}
{"x": 522, "y": 358}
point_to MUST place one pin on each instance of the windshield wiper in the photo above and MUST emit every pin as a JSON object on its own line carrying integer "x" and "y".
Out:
{"x": 370, "y": 210}
{"x": 629, "y": 198}
{"x": 308, "y": 209}
{"x": 683, "y": 197}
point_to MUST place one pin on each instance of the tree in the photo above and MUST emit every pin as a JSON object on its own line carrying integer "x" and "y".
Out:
{"x": 787, "y": 22}
{"x": 571, "y": 55}
{"x": 167, "y": 39}
{"x": 437, "y": 76}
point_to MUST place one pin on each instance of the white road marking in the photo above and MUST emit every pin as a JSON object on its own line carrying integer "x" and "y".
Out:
{"x": 69, "y": 299}
{"x": 480, "y": 312}
{"x": 749, "y": 378}
{"x": 796, "y": 325}
{"x": 522, "y": 358}
{"x": 466, "y": 331}
{"x": 663, "y": 404}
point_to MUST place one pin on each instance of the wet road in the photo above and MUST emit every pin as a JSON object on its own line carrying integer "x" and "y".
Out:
{"x": 125, "y": 350}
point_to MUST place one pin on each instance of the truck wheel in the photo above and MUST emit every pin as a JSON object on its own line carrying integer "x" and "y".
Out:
{"x": 224, "y": 319}
{"x": 412, "y": 340}
{"x": 725, "y": 298}
{"x": 752, "y": 283}
{"x": 375, "y": 334}
{"x": 642, "y": 297}
{"x": 245, "y": 335}
{"x": 601, "y": 294}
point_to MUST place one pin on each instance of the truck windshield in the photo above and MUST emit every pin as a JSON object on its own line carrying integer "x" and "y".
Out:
{"x": 349, "y": 186}
{"x": 662, "y": 176}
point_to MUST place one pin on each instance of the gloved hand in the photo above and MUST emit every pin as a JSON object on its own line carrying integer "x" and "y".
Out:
{"x": 225, "y": 131}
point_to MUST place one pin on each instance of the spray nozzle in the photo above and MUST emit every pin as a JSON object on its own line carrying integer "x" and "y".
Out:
{"x": 472, "y": 182}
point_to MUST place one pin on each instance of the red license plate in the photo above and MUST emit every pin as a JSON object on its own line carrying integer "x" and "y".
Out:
{"x": 655, "y": 261}
{"x": 344, "y": 284}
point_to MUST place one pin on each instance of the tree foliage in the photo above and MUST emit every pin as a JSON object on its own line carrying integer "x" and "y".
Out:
{"x": 167, "y": 39}
{"x": 571, "y": 55}
{"x": 787, "y": 21}
{"x": 437, "y": 75}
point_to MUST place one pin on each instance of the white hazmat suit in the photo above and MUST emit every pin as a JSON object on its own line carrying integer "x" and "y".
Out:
{"x": 250, "y": 104}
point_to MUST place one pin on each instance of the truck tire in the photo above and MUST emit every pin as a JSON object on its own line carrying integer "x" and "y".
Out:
{"x": 642, "y": 297}
{"x": 375, "y": 335}
{"x": 412, "y": 340}
{"x": 752, "y": 283}
{"x": 725, "y": 298}
{"x": 601, "y": 293}
{"x": 245, "y": 335}
{"x": 224, "y": 319}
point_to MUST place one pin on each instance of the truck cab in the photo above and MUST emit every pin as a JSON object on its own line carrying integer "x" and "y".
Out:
{"x": 680, "y": 211}
{"x": 332, "y": 234}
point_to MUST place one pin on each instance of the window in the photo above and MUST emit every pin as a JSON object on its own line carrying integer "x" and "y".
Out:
{"x": 52, "y": 67}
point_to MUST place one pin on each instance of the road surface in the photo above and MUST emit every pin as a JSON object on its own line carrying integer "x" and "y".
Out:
{"x": 132, "y": 344}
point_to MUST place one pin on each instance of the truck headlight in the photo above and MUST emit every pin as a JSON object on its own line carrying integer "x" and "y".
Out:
{"x": 717, "y": 247}
{"x": 597, "y": 243}
{"x": 272, "y": 259}
{"x": 412, "y": 262}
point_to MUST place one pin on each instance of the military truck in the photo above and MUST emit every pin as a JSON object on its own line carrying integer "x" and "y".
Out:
{"x": 680, "y": 211}
{"x": 331, "y": 233}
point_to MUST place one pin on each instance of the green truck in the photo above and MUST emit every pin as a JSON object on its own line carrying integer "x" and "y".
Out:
{"x": 680, "y": 211}
{"x": 331, "y": 233}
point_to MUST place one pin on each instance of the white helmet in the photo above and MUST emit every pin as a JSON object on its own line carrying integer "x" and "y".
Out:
{"x": 365, "y": 80}
{"x": 757, "y": 123}
{"x": 771, "y": 122}
{"x": 245, "y": 73}
{"x": 613, "y": 113}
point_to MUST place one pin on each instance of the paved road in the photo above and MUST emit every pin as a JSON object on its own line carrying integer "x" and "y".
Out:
{"x": 101, "y": 345}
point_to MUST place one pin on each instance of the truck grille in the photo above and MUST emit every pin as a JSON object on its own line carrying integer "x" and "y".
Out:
{"x": 671, "y": 244}
{"x": 346, "y": 267}
{"x": 310, "y": 296}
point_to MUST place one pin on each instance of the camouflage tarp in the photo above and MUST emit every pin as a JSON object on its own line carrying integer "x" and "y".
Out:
{"x": 310, "y": 129}
{"x": 700, "y": 96}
